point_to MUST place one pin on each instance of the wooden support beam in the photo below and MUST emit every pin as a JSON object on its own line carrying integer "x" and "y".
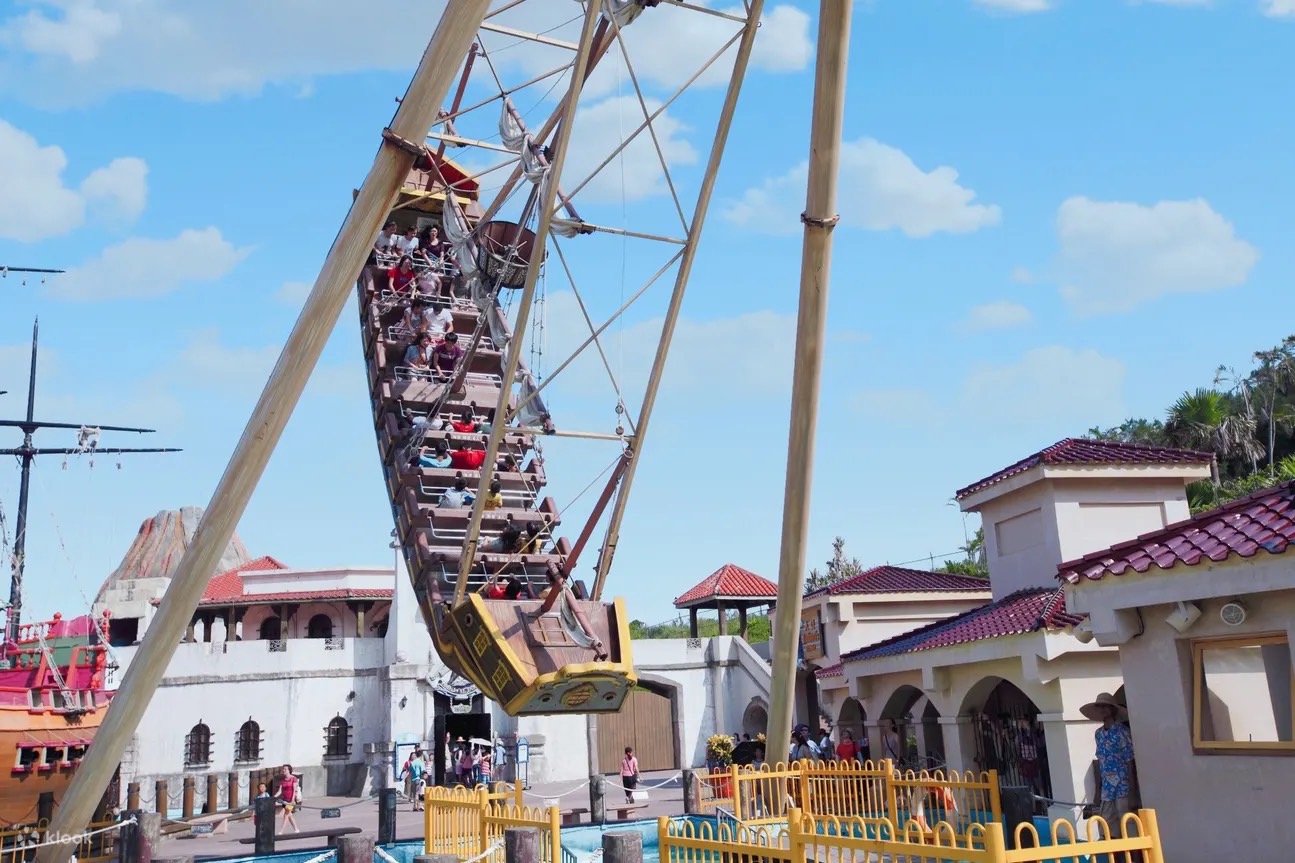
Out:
{"x": 418, "y": 109}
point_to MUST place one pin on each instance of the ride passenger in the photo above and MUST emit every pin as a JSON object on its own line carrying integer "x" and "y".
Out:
{"x": 494, "y": 500}
{"x": 458, "y": 496}
{"x": 402, "y": 276}
{"x": 440, "y": 458}
{"x": 446, "y": 357}
{"x": 418, "y": 357}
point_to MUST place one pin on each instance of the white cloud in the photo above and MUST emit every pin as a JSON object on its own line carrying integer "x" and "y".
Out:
{"x": 1052, "y": 384}
{"x": 74, "y": 51}
{"x": 636, "y": 171}
{"x": 123, "y": 185}
{"x": 294, "y": 293}
{"x": 1000, "y": 315}
{"x": 1022, "y": 276}
{"x": 142, "y": 267}
{"x": 880, "y": 189}
{"x": 1015, "y": 5}
{"x": 668, "y": 45}
{"x": 35, "y": 203}
{"x": 243, "y": 371}
{"x": 1116, "y": 256}
{"x": 1278, "y": 8}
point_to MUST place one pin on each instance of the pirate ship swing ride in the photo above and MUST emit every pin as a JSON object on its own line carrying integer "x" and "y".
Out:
{"x": 570, "y": 652}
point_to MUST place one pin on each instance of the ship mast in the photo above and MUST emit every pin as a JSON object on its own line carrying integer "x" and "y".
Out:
{"x": 26, "y": 453}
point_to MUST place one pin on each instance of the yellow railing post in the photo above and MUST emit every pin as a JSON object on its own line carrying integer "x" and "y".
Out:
{"x": 733, "y": 789}
{"x": 892, "y": 795}
{"x": 995, "y": 797}
{"x": 1151, "y": 827}
{"x": 555, "y": 833}
{"x": 482, "y": 803}
{"x": 795, "y": 834}
{"x": 802, "y": 799}
{"x": 995, "y": 842}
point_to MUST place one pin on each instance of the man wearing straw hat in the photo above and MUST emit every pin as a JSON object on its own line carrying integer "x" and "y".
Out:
{"x": 1114, "y": 757}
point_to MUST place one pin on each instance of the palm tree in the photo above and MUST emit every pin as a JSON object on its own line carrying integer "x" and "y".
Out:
{"x": 1208, "y": 421}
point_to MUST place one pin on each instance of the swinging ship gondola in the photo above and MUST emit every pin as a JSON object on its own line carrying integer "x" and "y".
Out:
{"x": 571, "y": 657}
{"x": 558, "y": 648}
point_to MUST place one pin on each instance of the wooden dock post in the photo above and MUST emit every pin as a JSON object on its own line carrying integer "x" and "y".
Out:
{"x": 189, "y": 791}
{"x": 690, "y": 793}
{"x": 263, "y": 810}
{"x": 623, "y": 846}
{"x": 161, "y": 798}
{"x": 132, "y": 796}
{"x": 597, "y": 799}
{"x": 418, "y": 109}
{"x": 231, "y": 793}
{"x": 355, "y": 849}
{"x": 387, "y": 816}
{"x": 211, "y": 803}
{"x": 521, "y": 845}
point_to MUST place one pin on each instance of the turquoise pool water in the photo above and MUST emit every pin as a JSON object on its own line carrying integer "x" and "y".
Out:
{"x": 584, "y": 840}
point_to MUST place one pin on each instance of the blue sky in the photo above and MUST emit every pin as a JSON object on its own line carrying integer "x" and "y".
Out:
{"x": 1055, "y": 215}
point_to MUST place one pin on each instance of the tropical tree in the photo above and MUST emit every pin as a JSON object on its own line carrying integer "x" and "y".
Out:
{"x": 1132, "y": 430}
{"x": 1208, "y": 420}
{"x": 838, "y": 568}
{"x": 1271, "y": 383}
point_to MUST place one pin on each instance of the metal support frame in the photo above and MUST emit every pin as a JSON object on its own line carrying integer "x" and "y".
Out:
{"x": 819, "y": 218}
{"x": 549, "y": 189}
{"x": 414, "y": 117}
{"x": 680, "y": 286}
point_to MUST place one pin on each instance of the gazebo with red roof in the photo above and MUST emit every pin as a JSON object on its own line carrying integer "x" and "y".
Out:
{"x": 726, "y": 588}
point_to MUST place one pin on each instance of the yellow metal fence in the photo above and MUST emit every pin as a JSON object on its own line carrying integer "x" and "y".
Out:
{"x": 852, "y": 789}
{"x": 863, "y": 840}
{"x": 468, "y": 822}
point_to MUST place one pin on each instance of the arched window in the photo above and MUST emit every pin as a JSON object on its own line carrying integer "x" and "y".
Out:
{"x": 337, "y": 738}
{"x": 197, "y": 746}
{"x": 270, "y": 629}
{"x": 248, "y": 745}
{"x": 381, "y": 626}
{"x": 320, "y": 626}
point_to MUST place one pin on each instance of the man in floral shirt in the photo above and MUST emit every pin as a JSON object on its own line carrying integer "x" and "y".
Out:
{"x": 1114, "y": 757}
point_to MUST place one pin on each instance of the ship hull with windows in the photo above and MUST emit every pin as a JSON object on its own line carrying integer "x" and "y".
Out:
{"x": 52, "y": 701}
{"x": 529, "y": 663}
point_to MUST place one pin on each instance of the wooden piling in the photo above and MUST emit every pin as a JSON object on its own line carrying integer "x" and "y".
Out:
{"x": 355, "y": 849}
{"x": 211, "y": 803}
{"x": 232, "y": 793}
{"x": 521, "y": 845}
{"x": 132, "y": 797}
{"x": 160, "y": 798}
{"x": 623, "y": 846}
{"x": 187, "y": 794}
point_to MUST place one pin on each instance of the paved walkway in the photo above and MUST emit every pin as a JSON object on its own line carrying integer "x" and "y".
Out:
{"x": 363, "y": 813}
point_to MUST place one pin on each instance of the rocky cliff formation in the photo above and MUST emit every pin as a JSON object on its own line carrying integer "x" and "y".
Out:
{"x": 160, "y": 544}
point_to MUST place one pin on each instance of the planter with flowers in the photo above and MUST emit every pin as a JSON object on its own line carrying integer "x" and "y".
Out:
{"x": 719, "y": 759}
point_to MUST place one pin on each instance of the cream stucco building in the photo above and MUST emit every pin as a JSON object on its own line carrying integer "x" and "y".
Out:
{"x": 1000, "y": 686}
{"x": 1203, "y": 615}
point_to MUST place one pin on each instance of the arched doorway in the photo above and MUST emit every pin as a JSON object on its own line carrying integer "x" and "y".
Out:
{"x": 1009, "y": 737}
{"x": 645, "y": 722}
{"x": 755, "y": 719}
{"x": 854, "y": 719}
{"x": 271, "y": 629}
{"x": 932, "y": 738}
{"x": 901, "y": 747}
{"x": 320, "y": 626}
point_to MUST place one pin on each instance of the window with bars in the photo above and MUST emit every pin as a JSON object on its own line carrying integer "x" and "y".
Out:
{"x": 197, "y": 746}
{"x": 248, "y": 745}
{"x": 337, "y": 738}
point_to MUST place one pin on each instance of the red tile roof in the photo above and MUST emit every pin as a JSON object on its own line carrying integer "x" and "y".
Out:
{"x": 228, "y": 588}
{"x": 1263, "y": 521}
{"x": 1024, "y": 611}
{"x": 896, "y": 579}
{"x": 1081, "y": 451}
{"x": 729, "y": 582}
{"x": 837, "y": 670}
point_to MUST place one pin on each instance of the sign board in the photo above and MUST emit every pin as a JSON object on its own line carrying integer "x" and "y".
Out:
{"x": 811, "y": 634}
{"x": 201, "y": 829}
{"x": 330, "y": 813}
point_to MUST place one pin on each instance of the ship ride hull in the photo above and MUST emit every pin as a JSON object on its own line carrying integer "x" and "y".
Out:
{"x": 52, "y": 745}
{"x": 529, "y": 664}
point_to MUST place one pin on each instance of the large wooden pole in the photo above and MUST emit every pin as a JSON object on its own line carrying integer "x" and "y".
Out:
{"x": 745, "y": 45}
{"x": 413, "y": 120}
{"x": 816, "y": 259}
